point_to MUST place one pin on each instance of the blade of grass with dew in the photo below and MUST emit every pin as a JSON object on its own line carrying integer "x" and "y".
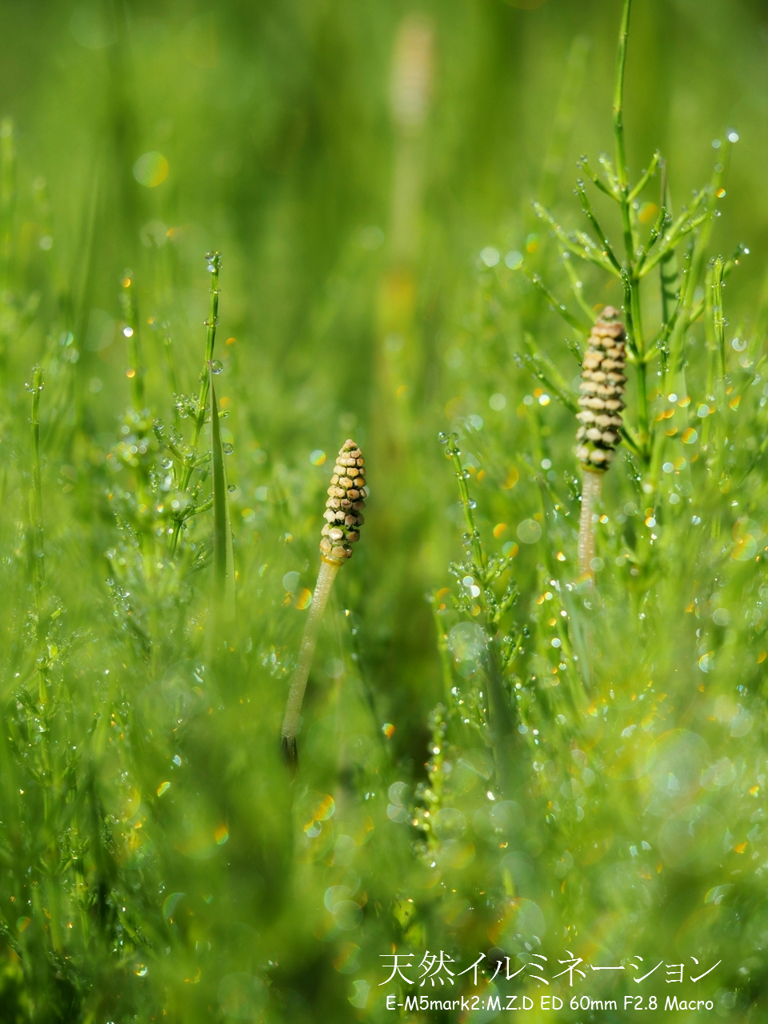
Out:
{"x": 224, "y": 607}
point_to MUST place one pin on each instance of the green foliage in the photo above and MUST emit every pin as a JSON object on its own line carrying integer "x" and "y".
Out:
{"x": 596, "y": 761}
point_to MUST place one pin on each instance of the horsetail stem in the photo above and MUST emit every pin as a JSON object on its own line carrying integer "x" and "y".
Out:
{"x": 618, "y": 96}
{"x": 601, "y": 402}
{"x": 213, "y": 260}
{"x": 591, "y": 490}
{"x": 325, "y": 579}
{"x": 343, "y": 516}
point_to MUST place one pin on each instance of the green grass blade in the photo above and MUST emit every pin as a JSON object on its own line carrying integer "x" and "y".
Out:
{"x": 223, "y": 553}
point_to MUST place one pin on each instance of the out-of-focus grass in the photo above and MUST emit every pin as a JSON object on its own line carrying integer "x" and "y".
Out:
{"x": 156, "y": 861}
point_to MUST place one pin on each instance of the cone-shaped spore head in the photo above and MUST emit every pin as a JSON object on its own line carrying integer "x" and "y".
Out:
{"x": 344, "y": 508}
{"x": 602, "y": 391}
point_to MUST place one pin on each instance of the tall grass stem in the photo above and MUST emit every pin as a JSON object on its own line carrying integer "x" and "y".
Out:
{"x": 223, "y": 553}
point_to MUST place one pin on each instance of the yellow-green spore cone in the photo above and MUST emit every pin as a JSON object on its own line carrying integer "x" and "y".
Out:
{"x": 602, "y": 392}
{"x": 601, "y": 402}
{"x": 343, "y": 518}
{"x": 344, "y": 508}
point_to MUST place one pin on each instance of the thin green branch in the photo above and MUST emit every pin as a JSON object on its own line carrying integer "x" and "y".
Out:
{"x": 610, "y": 174}
{"x": 630, "y": 440}
{"x": 542, "y": 368}
{"x": 577, "y": 287}
{"x": 657, "y": 231}
{"x": 646, "y": 177}
{"x": 575, "y": 349}
{"x": 586, "y": 206}
{"x": 557, "y": 307}
{"x": 671, "y": 242}
{"x": 584, "y": 165}
{"x": 579, "y": 243}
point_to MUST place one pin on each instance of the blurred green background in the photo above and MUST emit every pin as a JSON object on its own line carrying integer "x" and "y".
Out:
{"x": 352, "y": 161}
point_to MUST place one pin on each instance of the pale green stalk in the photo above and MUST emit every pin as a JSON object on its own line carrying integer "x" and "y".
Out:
{"x": 590, "y": 496}
{"x": 325, "y": 579}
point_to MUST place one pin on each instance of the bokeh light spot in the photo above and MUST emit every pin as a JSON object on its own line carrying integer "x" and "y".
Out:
{"x": 151, "y": 169}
